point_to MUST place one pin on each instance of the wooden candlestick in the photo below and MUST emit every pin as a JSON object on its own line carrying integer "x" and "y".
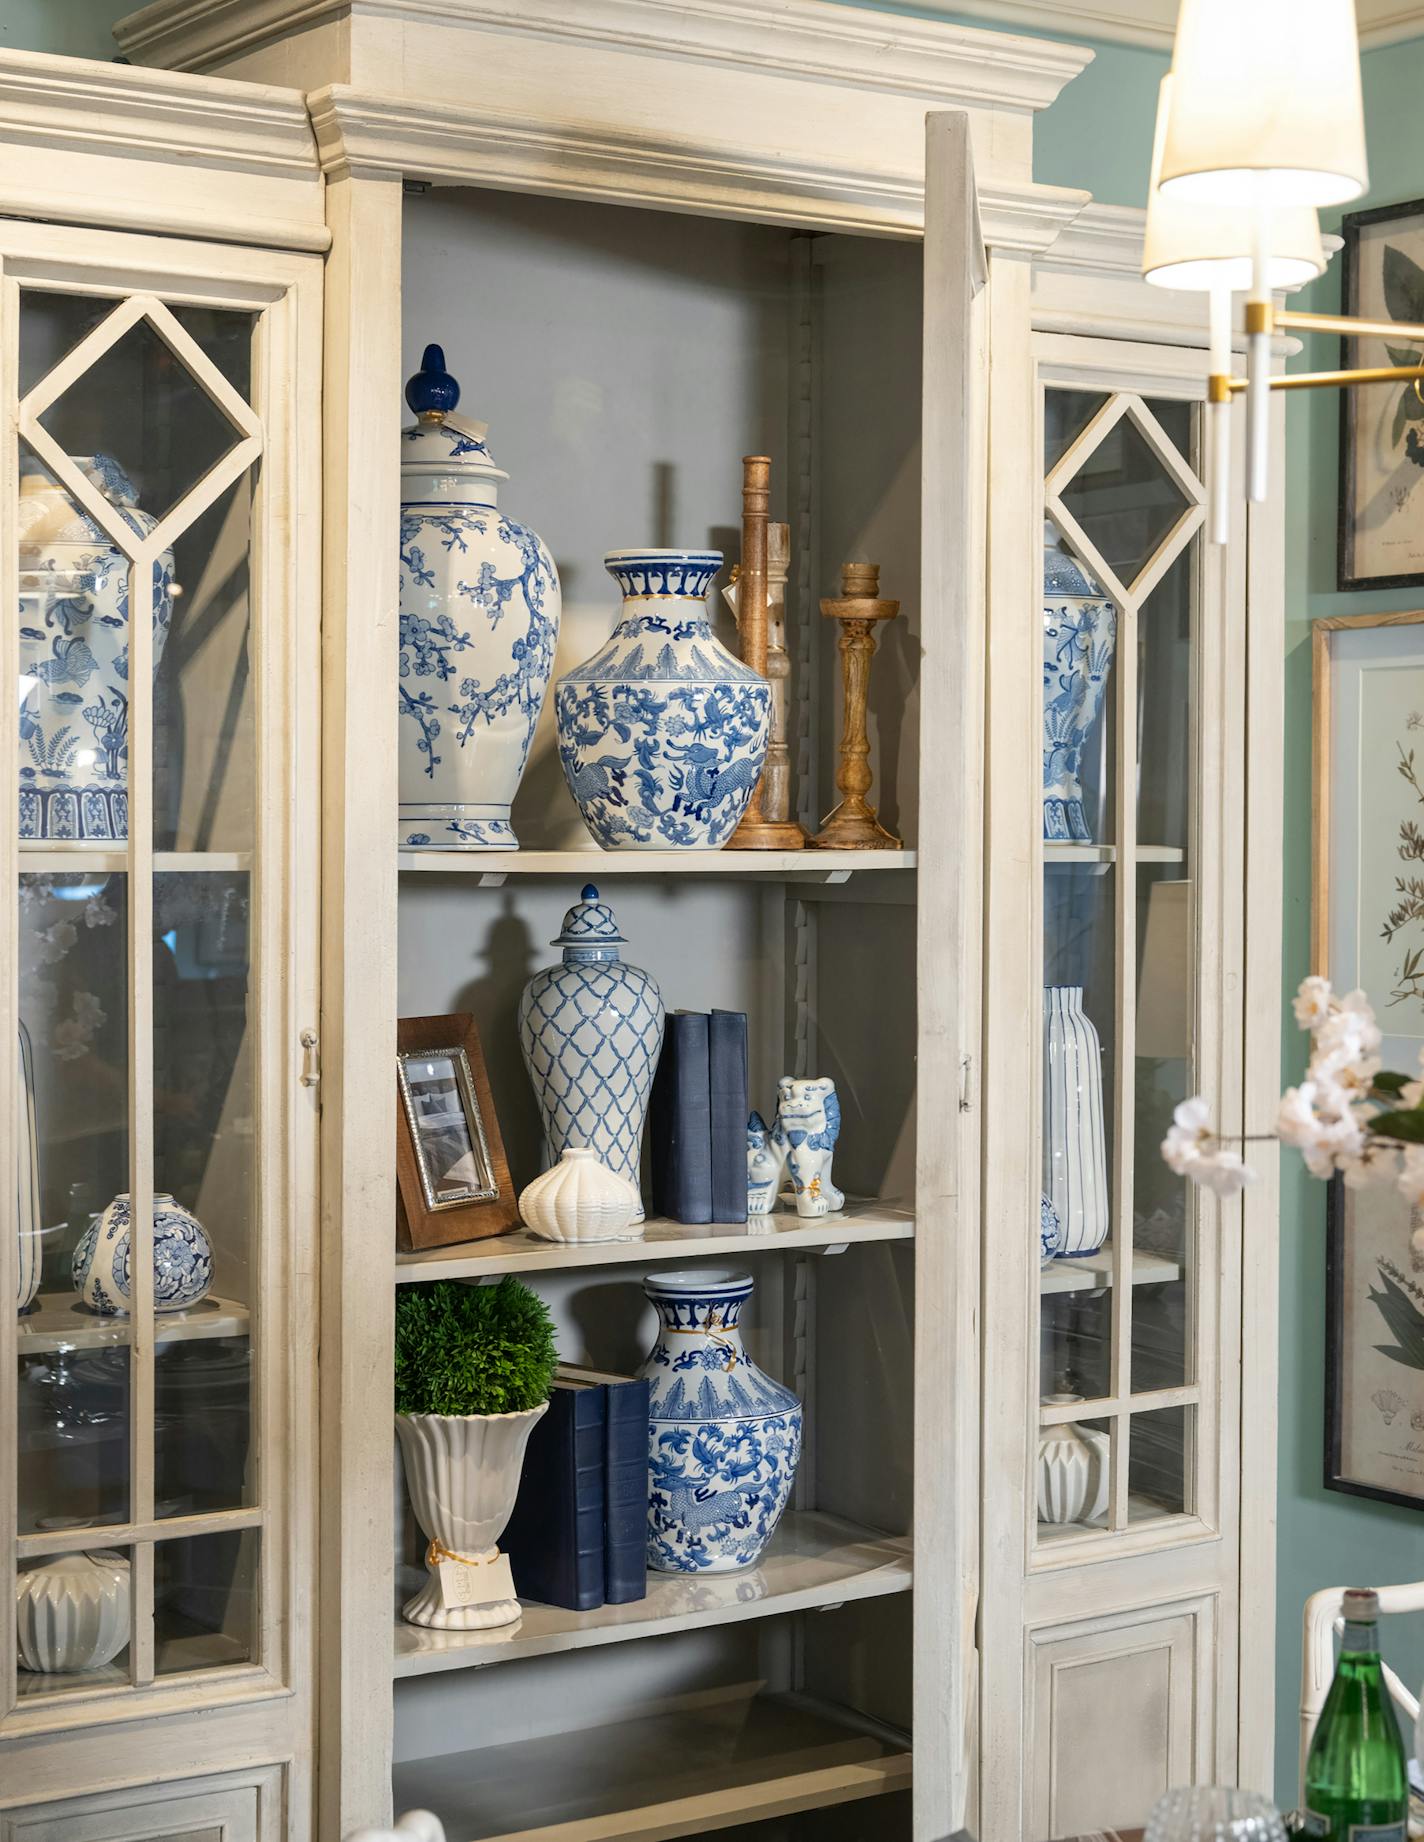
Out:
{"x": 758, "y": 830}
{"x": 853, "y": 825}
{"x": 776, "y": 776}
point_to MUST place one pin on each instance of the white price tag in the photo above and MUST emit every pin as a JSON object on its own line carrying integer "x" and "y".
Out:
{"x": 480, "y": 1583}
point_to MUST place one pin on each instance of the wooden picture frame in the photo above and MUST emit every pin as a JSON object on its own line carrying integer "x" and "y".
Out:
{"x": 453, "y": 1181}
{"x": 1381, "y": 497}
{"x": 1374, "y": 1349}
{"x": 1367, "y": 818}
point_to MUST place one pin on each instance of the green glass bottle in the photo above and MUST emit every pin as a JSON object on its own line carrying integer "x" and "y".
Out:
{"x": 1356, "y": 1774}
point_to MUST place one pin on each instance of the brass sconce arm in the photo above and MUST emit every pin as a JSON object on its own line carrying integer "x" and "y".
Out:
{"x": 1263, "y": 317}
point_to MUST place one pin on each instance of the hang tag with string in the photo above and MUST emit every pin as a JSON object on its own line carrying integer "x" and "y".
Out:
{"x": 469, "y": 1581}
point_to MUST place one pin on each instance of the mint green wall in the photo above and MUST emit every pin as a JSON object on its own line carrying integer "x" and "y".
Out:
{"x": 76, "y": 28}
{"x": 1099, "y": 135}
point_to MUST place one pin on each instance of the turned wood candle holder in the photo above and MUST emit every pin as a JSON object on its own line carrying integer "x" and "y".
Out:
{"x": 853, "y": 825}
{"x": 776, "y": 775}
{"x": 761, "y": 829}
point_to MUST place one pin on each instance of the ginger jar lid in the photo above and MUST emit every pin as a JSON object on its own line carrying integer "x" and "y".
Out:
{"x": 590, "y": 923}
{"x": 47, "y": 514}
{"x": 1064, "y": 574}
{"x": 439, "y": 441}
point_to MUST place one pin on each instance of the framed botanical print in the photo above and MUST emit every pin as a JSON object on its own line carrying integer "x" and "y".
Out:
{"x": 1374, "y": 1347}
{"x": 452, "y": 1177}
{"x": 1381, "y": 543}
{"x": 1367, "y": 910}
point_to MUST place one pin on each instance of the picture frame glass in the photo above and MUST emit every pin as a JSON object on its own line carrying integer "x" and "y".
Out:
{"x": 447, "y": 1128}
{"x": 1382, "y": 425}
{"x": 1375, "y": 1347}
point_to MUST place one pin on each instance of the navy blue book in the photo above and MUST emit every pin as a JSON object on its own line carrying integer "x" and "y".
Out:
{"x": 555, "y": 1536}
{"x": 727, "y": 1086}
{"x": 680, "y": 1122}
{"x": 625, "y": 1524}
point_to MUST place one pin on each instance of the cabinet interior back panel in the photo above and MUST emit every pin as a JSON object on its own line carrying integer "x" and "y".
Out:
{"x": 625, "y": 361}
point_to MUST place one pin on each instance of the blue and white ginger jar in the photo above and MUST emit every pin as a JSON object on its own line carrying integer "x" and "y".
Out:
{"x": 182, "y": 1258}
{"x": 591, "y": 1030}
{"x": 479, "y": 619}
{"x": 1079, "y": 632}
{"x": 662, "y": 733}
{"x": 723, "y": 1437}
{"x": 74, "y": 656}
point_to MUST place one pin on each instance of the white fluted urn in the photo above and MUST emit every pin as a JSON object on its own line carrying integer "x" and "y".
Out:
{"x": 462, "y": 1471}
{"x": 72, "y": 1613}
{"x": 581, "y": 1199}
{"x": 1072, "y": 1469}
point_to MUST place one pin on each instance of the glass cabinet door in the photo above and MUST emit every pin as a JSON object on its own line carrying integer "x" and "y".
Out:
{"x": 1122, "y": 1240}
{"x": 162, "y": 873}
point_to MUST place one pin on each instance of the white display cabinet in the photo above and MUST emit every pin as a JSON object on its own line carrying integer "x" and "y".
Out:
{"x": 651, "y": 241}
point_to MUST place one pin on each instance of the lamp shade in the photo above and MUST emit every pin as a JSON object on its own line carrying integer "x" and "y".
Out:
{"x": 1194, "y": 245}
{"x": 1266, "y": 104}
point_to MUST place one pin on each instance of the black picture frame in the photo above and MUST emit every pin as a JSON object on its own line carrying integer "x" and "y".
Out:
{"x": 1356, "y": 400}
{"x": 1337, "y": 1380}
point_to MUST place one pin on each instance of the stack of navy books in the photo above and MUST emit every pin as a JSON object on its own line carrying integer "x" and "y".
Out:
{"x": 697, "y": 1119}
{"x": 579, "y": 1533}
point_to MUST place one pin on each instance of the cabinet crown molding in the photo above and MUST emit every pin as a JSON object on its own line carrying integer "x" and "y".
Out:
{"x": 811, "y": 39}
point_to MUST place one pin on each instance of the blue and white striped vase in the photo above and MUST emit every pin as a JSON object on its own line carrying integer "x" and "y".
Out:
{"x": 723, "y": 1437}
{"x": 1075, "y": 1166}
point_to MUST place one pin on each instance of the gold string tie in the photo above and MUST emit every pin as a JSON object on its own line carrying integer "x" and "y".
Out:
{"x": 437, "y": 1552}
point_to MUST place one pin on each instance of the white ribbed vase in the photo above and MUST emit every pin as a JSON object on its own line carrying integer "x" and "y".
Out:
{"x": 462, "y": 1471}
{"x": 581, "y": 1199}
{"x": 1072, "y": 1470}
{"x": 72, "y": 1613}
{"x": 1075, "y": 1169}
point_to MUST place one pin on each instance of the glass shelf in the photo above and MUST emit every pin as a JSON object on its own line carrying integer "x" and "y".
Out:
{"x": 60, "y": 1321}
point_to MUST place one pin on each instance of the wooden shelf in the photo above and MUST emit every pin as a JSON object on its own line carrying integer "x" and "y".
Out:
{"x": 706, "y": 1762}
{"x": 1108, "y": 853}
{"x": 62, "y": 1322}
{"x": 493, "y": 867}
{"x": 813, "y": 1560}
{"x": 1091, "y": 1272}
{"x": 84, "y": 859}
{"x": 522, "y": 1252}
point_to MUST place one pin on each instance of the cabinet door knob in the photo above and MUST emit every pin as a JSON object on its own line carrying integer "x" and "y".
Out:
{"x": 311, "y": 1061}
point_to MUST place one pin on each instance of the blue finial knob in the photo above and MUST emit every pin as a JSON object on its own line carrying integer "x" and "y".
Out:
{"x": 432, "y": 391}
{"x": 589, "y": 893}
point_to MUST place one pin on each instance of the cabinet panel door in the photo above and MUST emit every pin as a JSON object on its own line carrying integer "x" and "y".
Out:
{"x": 1124, "y": 1689}
{"x": 227, "y": 1812}
{"x": 158, "y": 744}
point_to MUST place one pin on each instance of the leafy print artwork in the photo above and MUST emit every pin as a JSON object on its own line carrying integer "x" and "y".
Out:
{"x": 1398, "y": 1302}
{"x": 1408, "y": 908}
{"x": 1404, "y": 300}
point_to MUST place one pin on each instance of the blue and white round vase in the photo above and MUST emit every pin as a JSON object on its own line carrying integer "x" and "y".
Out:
{"x": 182, "y": 1259}
{"x": 1079, "y": 633}
{"x": 591, "y": 1030}
{"x": 1075, "y": 1165}
{"x": 662, "y": 733}
{"x": 723, "y": 1437}
{"x": 74, "y": 656}
{"x": 1050, "y": 1233}
{"x": 479, "y": 619}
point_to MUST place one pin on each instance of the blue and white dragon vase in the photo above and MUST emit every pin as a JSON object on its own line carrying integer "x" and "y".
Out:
{"x": 723, "y": 1437}
{"x": 662, "y": 733}
{"x": 182, "y": 1258}
{"x": 1079, "y": 633}
{"x": 591, "y": 1031}
{"x": 74, "y": 656}
{"x": 479, "y": 620}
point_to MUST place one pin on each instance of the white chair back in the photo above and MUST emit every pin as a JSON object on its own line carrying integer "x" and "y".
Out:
{"x": 414, "y": 1826}
{"x": 1322, "y": 1620}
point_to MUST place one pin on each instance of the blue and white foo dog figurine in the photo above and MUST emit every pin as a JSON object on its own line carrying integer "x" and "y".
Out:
{"x": 800, "y": 1141}
{"x": 723, "y": 1437}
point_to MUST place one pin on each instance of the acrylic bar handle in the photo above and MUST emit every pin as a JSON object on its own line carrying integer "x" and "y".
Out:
{"x": 1219, "y": 420}
{"x": 1258, "y": 365}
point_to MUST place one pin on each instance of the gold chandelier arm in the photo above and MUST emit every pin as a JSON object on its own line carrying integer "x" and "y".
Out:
{"x": 1262, "y": 317}
{"x": 1221, "y": 389}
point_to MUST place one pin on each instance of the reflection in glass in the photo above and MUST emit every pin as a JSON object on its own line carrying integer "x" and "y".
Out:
{"x": 1075, "y": 1342}
{"x": 73, "y": 1425}
{"x": 1066, "y": 413}
{"x": 205, "y": 1601}
{"x": 202, "y": 1422}
{"x": 1161, "y": 1463}
{"x": 1125, "y": 499}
